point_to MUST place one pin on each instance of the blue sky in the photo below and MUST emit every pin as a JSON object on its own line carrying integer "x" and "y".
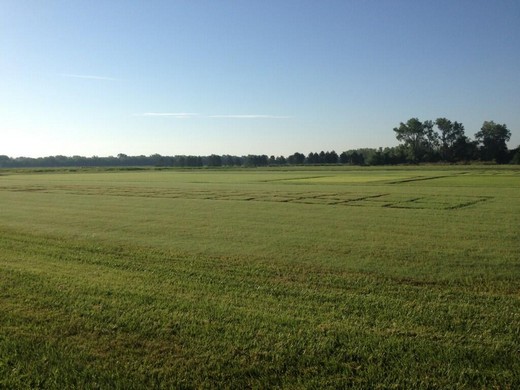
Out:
{"x": 238, "y": 77}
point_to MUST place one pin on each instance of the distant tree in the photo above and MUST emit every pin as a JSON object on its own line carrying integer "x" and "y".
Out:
{"x": 515, "y": 156}
{"x": 377, "y": 158}
{"x": 263, "y": 160}
{"x": 296, "y": 158}
{"x": 180, "y": 161}
{"x": 431, "y": 143}
{"x": 463, "y": 149}
{"x": 140, "y": 160}
{"x": 157, "y": 160}
{"x": 253, "y": 160}
{"x": 331, "y": 157}
{"x": 352, "y": 157}
{"x": 344, "y": 158}
{"x": 214, "y": 160}
{"x": 388, "y": 156}
{"x": 312, "y": 158}
{"x": 280, "y": 160}
{"x": 357, "y": 158}
{"x": 395, "y": 155}
{"x": 192, "y": 161}
{"x": 450, "y": 133}
{"x": 418, "y": 137}
{"x": 493, "y": 137}
{"x": 230, "y": 161}
{"x": 5, "y": 161}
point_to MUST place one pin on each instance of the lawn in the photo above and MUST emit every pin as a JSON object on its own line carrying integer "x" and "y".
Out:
{"x": 405, "y": 277}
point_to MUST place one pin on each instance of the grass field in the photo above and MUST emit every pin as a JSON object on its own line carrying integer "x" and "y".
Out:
{"x": 403, "y": 277}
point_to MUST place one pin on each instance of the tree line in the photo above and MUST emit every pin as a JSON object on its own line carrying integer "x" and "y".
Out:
{"x": 430, "y": 141}
{"x": 444, "y": 140}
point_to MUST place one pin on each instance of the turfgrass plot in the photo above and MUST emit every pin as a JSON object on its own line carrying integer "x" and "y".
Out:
{"x": 260, "y": 278}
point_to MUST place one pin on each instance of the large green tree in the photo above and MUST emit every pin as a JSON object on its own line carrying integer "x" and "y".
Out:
{"x": 493, "y": 138}
{"x": 451, "y": 134}
{"x": 419, "y": 138}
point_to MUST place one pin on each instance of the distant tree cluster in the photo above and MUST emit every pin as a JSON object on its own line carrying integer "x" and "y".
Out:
{"x": 430, "y": 141}
{"x": 444, "y": 140}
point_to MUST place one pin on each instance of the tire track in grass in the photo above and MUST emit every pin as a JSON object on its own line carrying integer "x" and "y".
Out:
{"x": 419, "y": 178}
{"x": 439, "y": 202}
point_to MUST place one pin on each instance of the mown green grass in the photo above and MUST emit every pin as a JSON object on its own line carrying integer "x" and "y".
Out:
{"x": 404, "y": 277}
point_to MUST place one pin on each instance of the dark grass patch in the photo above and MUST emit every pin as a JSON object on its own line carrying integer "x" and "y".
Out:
{"x": 390, "y": 200}
{"x": 420, "y": 178}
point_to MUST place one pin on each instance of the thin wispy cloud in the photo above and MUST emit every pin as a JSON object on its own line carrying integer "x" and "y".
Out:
{"x": 186, "y": 115}
{"x": 179, "y": 115}
{"x": 88, "y": 76}
{"x": 250, "y": 116}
